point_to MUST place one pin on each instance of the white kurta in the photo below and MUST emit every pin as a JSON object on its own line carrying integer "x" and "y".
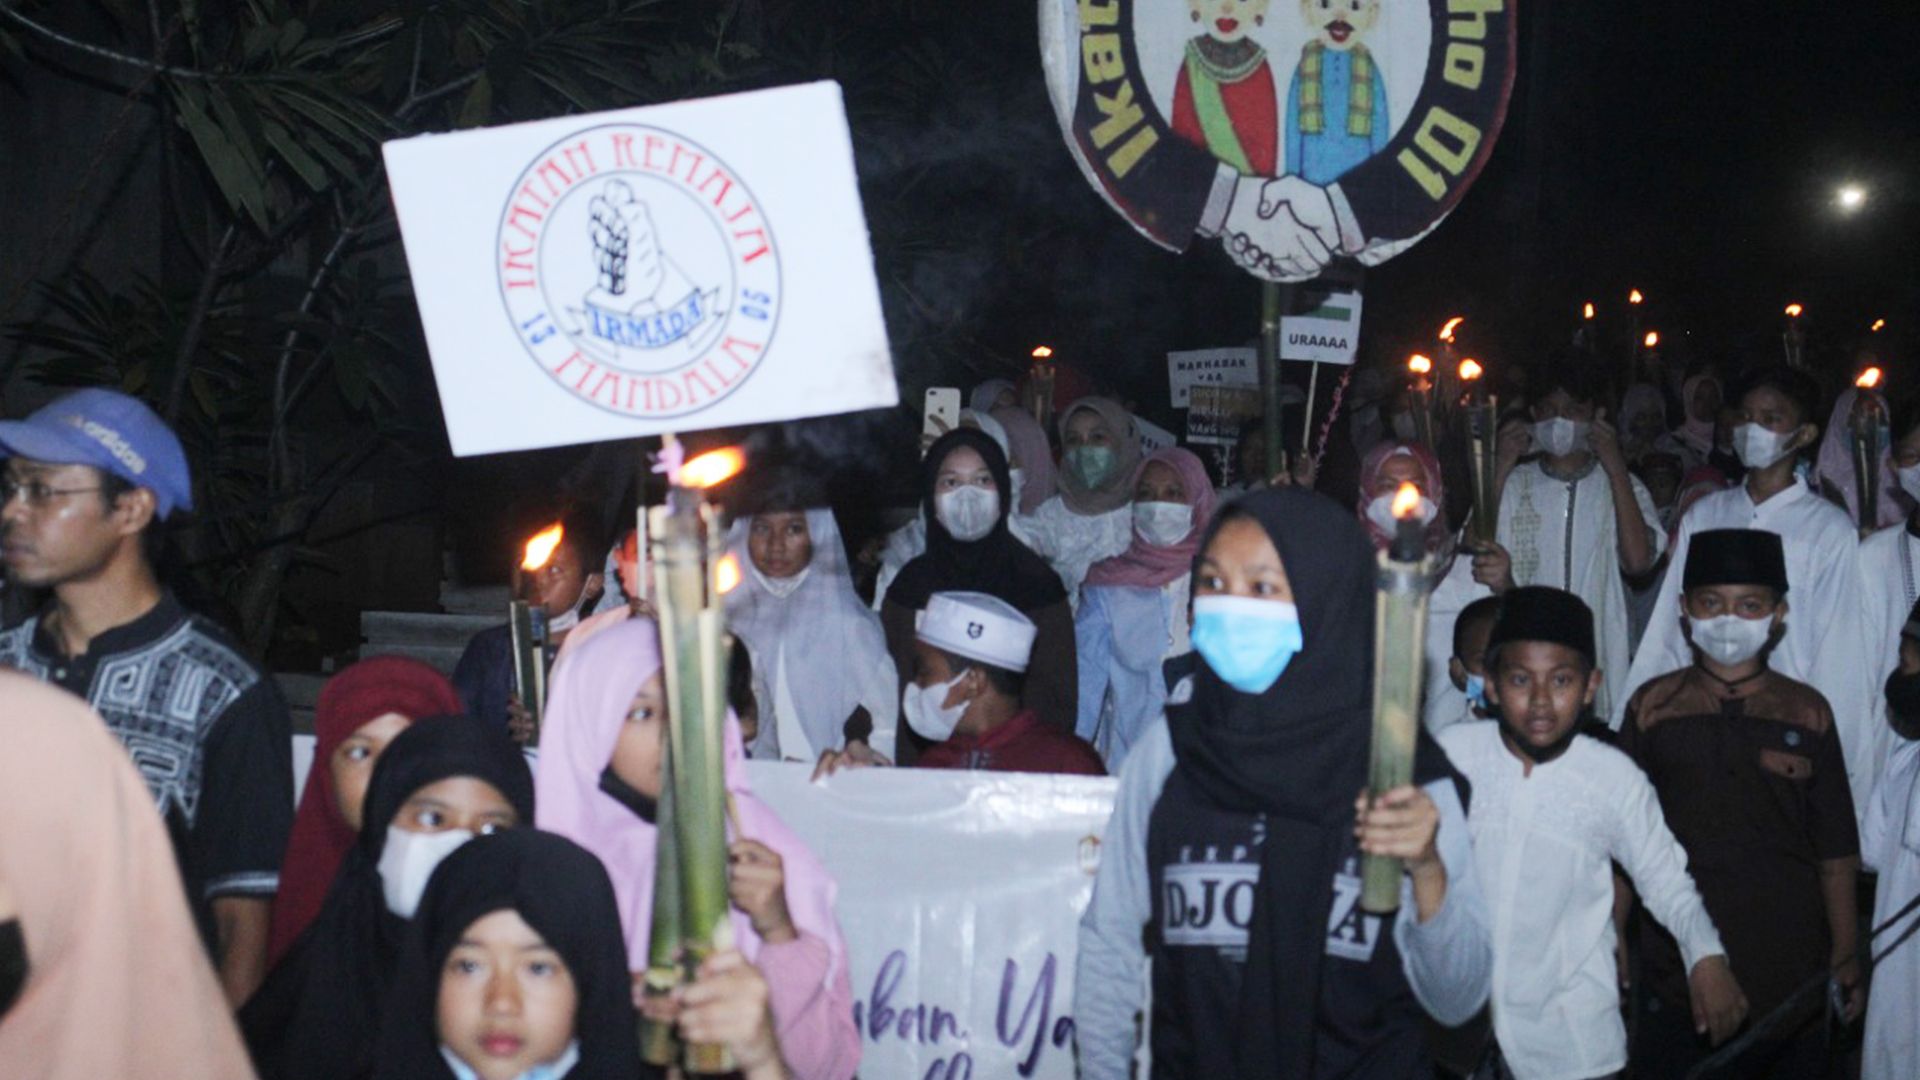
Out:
{"x": 1826, "y": 637}
{"x": 1889, "y": 585}
{"x": 1544, "y": 846}
{"x": 1071, "y": 543}
{"x": 1562, "y": 533}
{"x": 1445, "y": 704}
{"x": 1890, "y": 844}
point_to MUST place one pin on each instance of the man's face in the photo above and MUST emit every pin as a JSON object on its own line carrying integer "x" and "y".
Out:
{"x": 559, "y": 585}
{"x": 1228, "y": 20}
{"x": 1541, "y": 688}
{"x": 1340, "y": 24}
{"x": 58, "y": 527}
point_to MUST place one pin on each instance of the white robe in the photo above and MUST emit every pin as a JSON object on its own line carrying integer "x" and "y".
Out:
{"x": 1825, "y": 639}
{"x": 1890, "y": 844}
{"x": 1071, "y": 543}
{"x": 1889, "y": 585}
{"x": 1445, "y": 704}
{"x": 1563, "y": 534}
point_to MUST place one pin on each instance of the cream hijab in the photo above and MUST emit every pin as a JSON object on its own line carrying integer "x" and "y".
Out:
{"x": 118, "y": 982}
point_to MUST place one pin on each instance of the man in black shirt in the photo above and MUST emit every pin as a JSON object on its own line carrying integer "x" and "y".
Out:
{"x": 85, "y": 479}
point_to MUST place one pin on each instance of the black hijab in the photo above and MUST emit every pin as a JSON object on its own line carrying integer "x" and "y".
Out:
{"x": 1297, "y": 753}
{"x": 562, "y": 891}
{"x": 996, "y": 564}
{"x": 317, "y": 1015}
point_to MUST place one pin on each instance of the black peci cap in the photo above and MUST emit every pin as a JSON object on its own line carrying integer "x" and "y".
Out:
{"x": 1736, "y": 557}
{"x": 1538, "y": 613}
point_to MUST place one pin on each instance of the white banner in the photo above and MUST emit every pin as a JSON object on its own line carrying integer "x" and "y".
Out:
{"x": 677, "y": 267}
{"x": 960, "y": 896}
{"x": 1329, "y": 334}
{"x": 1209, "y": 367}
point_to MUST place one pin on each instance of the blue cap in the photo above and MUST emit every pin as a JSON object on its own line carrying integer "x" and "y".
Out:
{"x": 112, "y": 432}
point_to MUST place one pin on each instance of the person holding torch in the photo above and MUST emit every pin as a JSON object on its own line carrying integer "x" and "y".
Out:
{"x": 1250, "y": 788}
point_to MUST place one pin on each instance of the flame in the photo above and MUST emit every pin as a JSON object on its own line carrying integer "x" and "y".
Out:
{"x": 1406, "y": 501}
{"x": 1419, "y": 364}
{"x": 1652, "y": 338}
{"x": 1794, "y": 310}
{"x": 1868, "y": 379}
{"x": 1470, "y": 369}
{"x": 1634, "y": 297}
{"x": 726, "y": 574}
{"x": 1878, "y": 325}
{"x": 540, "y": 549}
{"x": 712, "y": 468}
{"x": 1587, "y": 311}
{"x": 1042, "y": 352}
{"x": 1446, "y": 331}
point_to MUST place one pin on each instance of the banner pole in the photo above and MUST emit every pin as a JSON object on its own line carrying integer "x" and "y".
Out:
{"x": 1306, "y": 421}
{"x": 1272, "y": 296}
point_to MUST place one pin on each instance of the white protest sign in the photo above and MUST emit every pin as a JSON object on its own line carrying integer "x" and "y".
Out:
{"x": 677, "y": 267}
{"x": 1209, "y": 367}
{"x": 960, "y": 897}
{"x": 1329, "y": 334}
{"x": 1152, "y": 436}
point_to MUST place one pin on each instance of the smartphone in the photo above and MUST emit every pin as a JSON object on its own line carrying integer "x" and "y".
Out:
{"x": 943, "y": 405}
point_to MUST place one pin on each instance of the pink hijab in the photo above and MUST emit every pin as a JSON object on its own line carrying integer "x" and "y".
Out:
{"x": 118, "y": 982}
{"x": 1431, "y": 485}
{"x": 1030, "y": 452}
{"x": 1834, "y": 468}
{"x": 591, "y": 694}
{"x": 1147, "y": 566}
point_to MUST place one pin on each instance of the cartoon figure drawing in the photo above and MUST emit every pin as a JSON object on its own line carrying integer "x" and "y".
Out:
{"x": 1337, "y": 104}
{"x": 1225, "y": 99}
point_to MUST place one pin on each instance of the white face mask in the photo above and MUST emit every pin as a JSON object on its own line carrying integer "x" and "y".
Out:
{"x": 1760, "y": 447}
{"x": 408, "y": 862}
{"x": 1909, "y": 476}
{"x": 1730, "y": 639}
{"x": 1561, "y": 436}
{"x": 1162, "y": 524}
{"x": 1380, "y": 512}
{"x": 970, "y": 512}
{"x": 926, "y": 715}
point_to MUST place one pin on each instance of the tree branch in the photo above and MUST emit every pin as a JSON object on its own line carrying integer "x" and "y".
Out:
{"x": 197, "y": 321}
{"x": 153, "y": 67}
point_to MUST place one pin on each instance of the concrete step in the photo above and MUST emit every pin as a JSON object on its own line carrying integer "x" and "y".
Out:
{"x": 476, "y": 599}
{"x": 379, "y": 628}
{"x": 441, "y": 657}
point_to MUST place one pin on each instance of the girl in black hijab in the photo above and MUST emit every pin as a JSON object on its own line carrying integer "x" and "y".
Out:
{"x": 965, "y": 496}
{"x": 1238, "y": 828}
{"x": 439, "y": 783}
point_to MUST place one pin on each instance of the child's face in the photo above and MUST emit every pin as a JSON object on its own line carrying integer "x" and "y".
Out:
{"x": 1771, "y": 409}
{"x": 637, "y": 751}
{"x": 1541, "y": 689}
{"x": 1746, "y": 601}
{"x": 1242, "y": 561}
{"x": 1228, "y": 20}
{"x": 1906, "y": 452}
{"x": 507, "y": 1001}
{"x": 1340, "y": 24}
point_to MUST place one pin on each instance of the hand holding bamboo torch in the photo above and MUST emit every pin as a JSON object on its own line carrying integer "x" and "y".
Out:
{"x": 691, "y": 916}
{"x": 1402, "y": 586}
{"x": 1481, "y": 411}
{"x": 1420, "y": 397}
{"x": 1866, "y": 427}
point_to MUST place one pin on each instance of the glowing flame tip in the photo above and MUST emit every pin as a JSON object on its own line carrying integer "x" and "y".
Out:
{"x": 726, "y": 574}
{"x": 1042, "y": 352}
{"x": 1878, "y": 325}
{"x": 1652, "y": 338}
{"x": 1419, "y": 364}
{"x": 712, "y": 468}
{"x": 1406, "y": 501}
{"x": 1446, "y": 331}
{"x": 1794, "y": 310}
{"x": 1587, "y": 311}
{"x": 1470, "y": 369}
{"x": 1869, "y": 379}
{"x": 1634, "y": 297}
{"x": 541, "y": 547}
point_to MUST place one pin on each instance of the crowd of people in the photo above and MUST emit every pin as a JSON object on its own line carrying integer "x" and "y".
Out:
{"x": 1671, "y": 714}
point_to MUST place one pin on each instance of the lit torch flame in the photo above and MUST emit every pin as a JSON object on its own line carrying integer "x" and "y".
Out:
{"x": 1878, "y": 325}
{"x": 1587, "y": 311}
{"x": 1041, "y": 352}
{"x": 726, "y": 574}
{"x": 1634, "y": 297}
{"x": 712, "y": 468}
{"x": 1652, "y": 338}
{"x": 1446, "y": 331}
{"x": 1794, "y": 310}
{"x": 541, "y": 548}
{"x": 1419, "y": 364}
{"x": 1406, "y": 501}
{"x": 1868, "y": 379}
{"x": 1470, "y": 369}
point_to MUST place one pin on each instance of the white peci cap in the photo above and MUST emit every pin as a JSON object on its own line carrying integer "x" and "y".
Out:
{"x": 978, "y": 627}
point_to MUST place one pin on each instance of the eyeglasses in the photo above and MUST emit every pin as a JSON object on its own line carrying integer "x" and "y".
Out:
{"x": 34, "y": 493}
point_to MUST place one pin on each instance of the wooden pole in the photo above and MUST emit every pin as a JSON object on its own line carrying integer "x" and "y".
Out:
{"x": 1273, "y": 296}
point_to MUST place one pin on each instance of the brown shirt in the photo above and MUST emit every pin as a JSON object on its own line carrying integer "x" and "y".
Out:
{"x": 1753, "y": 785}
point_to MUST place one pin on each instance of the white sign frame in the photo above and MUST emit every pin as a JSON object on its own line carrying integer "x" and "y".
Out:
{"x": 1209, "y": 367}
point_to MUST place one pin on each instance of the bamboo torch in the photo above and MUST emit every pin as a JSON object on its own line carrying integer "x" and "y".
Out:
{"x": 1420, "y": 396}
{"x": 1865, "y": 425}
{"x": 1793, "y": 339}
{"x": 1481, "y": 411}
{"x": 527, "y": 630}
{"x": 1040, "y": 380}
{"x": 1402, "y": 586}
{"x": 685, "y": 540}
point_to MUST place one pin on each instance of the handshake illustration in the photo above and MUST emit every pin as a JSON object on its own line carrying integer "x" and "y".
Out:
{"x": 1287, "y": 229}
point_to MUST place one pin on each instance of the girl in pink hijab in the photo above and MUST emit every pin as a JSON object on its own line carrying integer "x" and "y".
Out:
{"x": 1133, "y": 607}
{"x": 596, "y": 782}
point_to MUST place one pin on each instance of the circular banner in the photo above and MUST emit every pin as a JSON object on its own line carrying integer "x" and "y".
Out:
{"x": 1294, "y": 133}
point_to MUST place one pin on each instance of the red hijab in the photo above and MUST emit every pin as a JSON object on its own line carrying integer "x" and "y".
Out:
{"x": 1147, "y": 566}
{"x": 365, "y": 691}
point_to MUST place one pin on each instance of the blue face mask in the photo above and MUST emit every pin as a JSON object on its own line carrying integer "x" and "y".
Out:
{"x": 1245, "y": 641}
{"x": 1477, "y": 691}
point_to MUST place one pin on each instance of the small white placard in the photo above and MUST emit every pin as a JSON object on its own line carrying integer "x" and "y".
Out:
{"x": 1209, "y": 367}
{"x": 679, "y": 267}
{"x": 1329, "y": 334}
